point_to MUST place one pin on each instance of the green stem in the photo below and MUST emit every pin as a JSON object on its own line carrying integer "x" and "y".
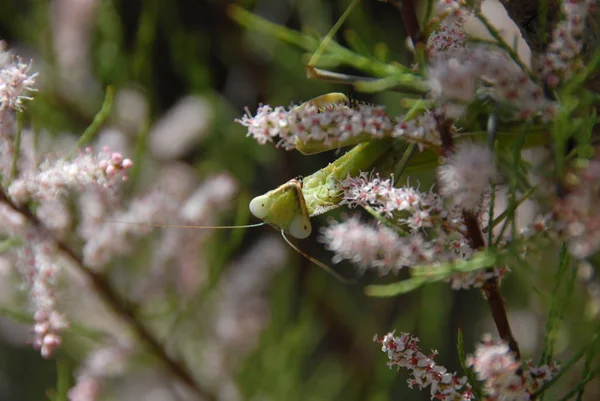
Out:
{"x": 91, "y": 131}
{"x": 325, "y": 42}
{"x": 14, "y": 165}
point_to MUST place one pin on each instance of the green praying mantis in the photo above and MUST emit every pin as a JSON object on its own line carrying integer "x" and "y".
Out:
{"x": 290, "y": 207}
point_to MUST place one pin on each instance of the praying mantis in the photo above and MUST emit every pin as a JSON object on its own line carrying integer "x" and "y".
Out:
{"x": 290, "y": 207}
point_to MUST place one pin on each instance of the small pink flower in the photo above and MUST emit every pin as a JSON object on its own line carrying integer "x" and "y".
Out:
{"x": 57, "y": 176}
{"x": 502, "y": 374}
{"x": 334, "y": 125}
{"x": 403, "y": 352}
{"x": 15, "y": 80}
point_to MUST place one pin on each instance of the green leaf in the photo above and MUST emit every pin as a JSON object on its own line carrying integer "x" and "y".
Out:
{"x": 390, "y": 290}
{"x": 63, "y": 376}
{"x": 558, "y": 304}
{"x": 591, "y": 347}
{"x": 433, "y": 273}
{"x": 98, "y": 121}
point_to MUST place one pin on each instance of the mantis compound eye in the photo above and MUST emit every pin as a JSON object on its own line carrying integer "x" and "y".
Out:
{"x": 300, "y": 227}
{"x": 260, "y": 206}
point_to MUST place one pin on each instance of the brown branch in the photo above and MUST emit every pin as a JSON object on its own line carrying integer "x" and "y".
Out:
{"x": 490, "y": 287}
{"x": 117, "y": 304}
{"x": 409, "y": 17}
{"x": 475, "y": 237}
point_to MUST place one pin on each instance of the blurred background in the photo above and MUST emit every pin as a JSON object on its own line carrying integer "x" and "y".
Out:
{"x": 251, "y": 318}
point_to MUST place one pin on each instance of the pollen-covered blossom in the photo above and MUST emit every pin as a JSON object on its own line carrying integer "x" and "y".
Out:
{"x": 503, "y": 376}
{"x": 378, "y": 247}
{"x": 37, "y": 265}
{"x": 16, "y": 80}
{"x": 449, "y": 38}
{"x": 57, "y": 176}
{"x": 403, "y": 352}
{"x": 335, "y": 125}
{"x": 466, "y": 175}
{"x": 561, "y": 59}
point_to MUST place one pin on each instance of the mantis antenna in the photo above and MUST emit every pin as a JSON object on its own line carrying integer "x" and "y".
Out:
{"x": 183, "y": 226}
{"x": 304, "y": 254}
{"x": 327, "y": 39}
{"x": 322, "y": 265}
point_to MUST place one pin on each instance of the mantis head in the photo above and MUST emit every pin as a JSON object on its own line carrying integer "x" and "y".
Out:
{"x": 285, "y": 209}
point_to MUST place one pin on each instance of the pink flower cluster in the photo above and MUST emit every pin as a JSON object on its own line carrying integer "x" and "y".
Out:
{"x": 381, "y": 248}
{"x": 55, "y": 177}
{"x": 403, "y": 352}
{"x": 458, "y": 72}
{"x": 422, "y": 208}
{"x": 378, "y": 247}
{"x": 450, "y": 35}
{"x": 16, "y": 80}
{"x": 561, "y": 59}
{"x": 422, "y": 130}
{"x": 503, "y": 376}
{"x": 37, "y": 265}
{"x": 334, "y": 125}
{"x": 458, "y": 77}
